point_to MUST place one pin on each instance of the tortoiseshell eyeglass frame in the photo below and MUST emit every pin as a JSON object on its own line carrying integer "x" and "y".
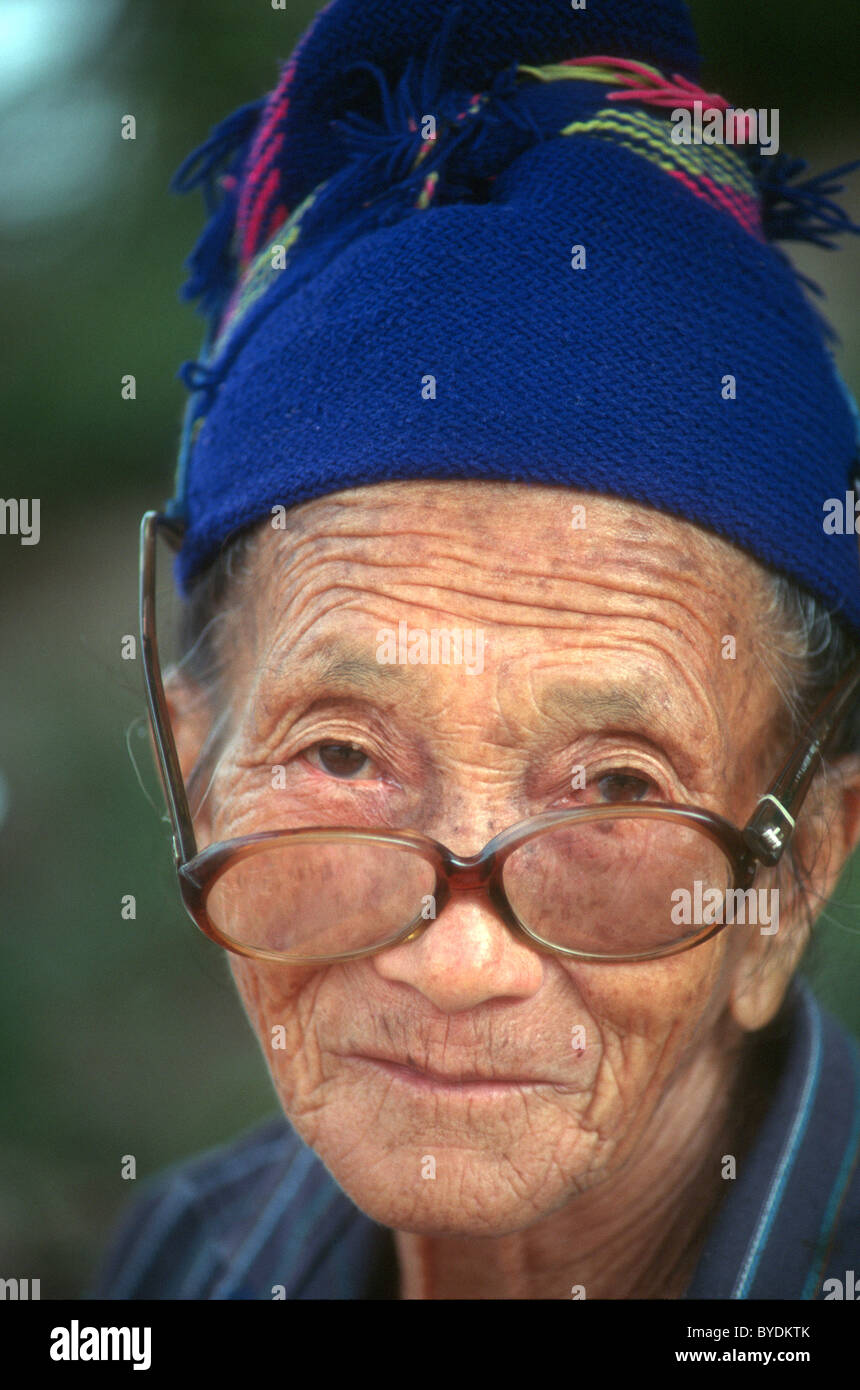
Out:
{"x": 762, "y": 841}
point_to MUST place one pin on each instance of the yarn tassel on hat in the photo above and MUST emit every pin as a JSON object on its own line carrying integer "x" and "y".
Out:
{"x": 395, "y": 147}
{"x": 211, "y": 263}
{"x": 803, "y": 211}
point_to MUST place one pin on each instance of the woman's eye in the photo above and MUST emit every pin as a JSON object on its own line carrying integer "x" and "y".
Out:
{"x": 623, "y": 786}
{"x": 343, "y": 760}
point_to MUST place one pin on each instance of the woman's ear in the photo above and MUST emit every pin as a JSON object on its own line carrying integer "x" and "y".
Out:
{"x": 847, "y": 778}
{"x": 763, "y": 973}
{"x": 828, "y": 831}
{"x": 190, "y": 712}
{"x": 190, "y": 719}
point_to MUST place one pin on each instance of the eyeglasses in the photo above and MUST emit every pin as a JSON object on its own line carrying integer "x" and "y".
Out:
{"x": 615, "y": 883}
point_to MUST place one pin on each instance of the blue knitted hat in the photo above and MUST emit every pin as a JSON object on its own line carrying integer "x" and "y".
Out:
{"x": 460, "y": 241}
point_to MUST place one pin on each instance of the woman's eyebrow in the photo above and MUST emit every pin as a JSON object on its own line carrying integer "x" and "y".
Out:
{"x": 638, "y": 711}
{"x": 634, "y": 707}
{"x": 596, "y": 706}
{"x": 290, "y": 684}
{"x": 341, "y": 667}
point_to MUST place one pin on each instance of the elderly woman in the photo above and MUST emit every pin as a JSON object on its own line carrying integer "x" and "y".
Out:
{"x": 511, "y": 757}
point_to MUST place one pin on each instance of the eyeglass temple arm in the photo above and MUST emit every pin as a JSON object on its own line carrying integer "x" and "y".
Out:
{"x": 169, "y": 769}
{"x": 772, "y": 823}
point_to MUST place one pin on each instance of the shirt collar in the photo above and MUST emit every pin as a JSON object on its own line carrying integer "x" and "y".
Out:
{"x": 776, "y": 1233}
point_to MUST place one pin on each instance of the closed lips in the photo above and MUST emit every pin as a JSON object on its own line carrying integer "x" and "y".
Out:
{"x": 450, "y": 1078}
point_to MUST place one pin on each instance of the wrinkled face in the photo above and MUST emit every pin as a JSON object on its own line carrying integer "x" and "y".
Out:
{"x": 603, "y": 647}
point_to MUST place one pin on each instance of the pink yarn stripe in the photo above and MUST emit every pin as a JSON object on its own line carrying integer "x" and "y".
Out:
{"x": 269, "y": 189}
{"x": 277, "y": 217}
{"x": 654, "y": 88}
{"x": 262, "y": 154}
{"x": 739, "y": 206}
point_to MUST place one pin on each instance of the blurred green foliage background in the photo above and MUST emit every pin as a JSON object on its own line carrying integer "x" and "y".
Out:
{"x": 125, "y": 1037}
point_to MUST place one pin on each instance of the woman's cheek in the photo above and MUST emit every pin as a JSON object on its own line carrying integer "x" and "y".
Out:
{"x": 649, "y": 999}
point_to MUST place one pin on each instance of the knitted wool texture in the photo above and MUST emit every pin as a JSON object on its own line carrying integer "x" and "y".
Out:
{"x": 386, "y": 307}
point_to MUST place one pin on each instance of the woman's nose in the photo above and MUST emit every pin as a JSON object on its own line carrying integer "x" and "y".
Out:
{"x": 466, "y": 957}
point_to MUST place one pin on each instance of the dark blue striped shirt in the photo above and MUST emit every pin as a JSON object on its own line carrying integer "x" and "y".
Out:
{"x": 261, "y": 1217}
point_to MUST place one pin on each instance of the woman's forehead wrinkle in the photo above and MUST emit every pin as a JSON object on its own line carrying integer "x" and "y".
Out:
{"x": 652, "y": 588}
{"x": 548, "y": 595}
{"x": 527, "y": 543}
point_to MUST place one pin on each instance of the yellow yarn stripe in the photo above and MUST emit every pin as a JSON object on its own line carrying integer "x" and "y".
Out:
{"x": 557, "y": 72}
{"x": 645, "y": 130}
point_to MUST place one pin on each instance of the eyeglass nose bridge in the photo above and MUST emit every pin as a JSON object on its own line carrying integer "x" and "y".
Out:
{"x": 480, "y": 875}
{"x": 471, "y": 873}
